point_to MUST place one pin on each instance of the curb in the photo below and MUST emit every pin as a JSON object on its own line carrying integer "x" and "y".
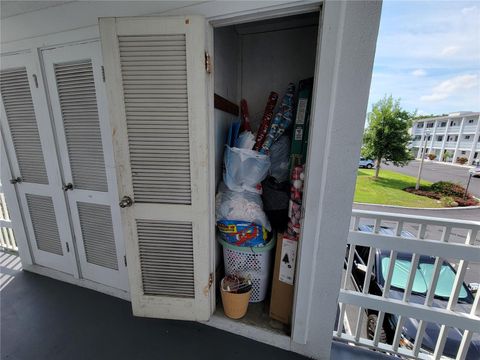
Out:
{"x": 416, "y": 208}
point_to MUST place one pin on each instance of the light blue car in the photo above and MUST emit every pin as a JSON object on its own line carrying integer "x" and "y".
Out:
{"x": 366, "y": 163}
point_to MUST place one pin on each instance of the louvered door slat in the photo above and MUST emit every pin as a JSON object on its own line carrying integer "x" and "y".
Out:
{"x": 166, "y": 257}
{"x": 42, "y": 215}
{"x": 155, "y": 92}
{"x": 22, "y": 123}
{"x": 78, "y": 103}
{"x": 97, "y": 234}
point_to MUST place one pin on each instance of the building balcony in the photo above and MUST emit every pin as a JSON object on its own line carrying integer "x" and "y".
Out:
{"x": 454, "y": 129}
{"x": 465, "y": 144}
{"x": 450, "y": 144}
{"x": 416, "y": 143}
{"x": 437, "y": 144}
{"x": 469, "y": 129}
{"x": 440, "y": 130}
{"x": 417, "y": 131}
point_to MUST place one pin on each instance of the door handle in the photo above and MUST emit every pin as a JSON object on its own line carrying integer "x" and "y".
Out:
{"x": 16, "y": 180}
{"x": 126, "y": 202}
{"x": 67, "y": 187}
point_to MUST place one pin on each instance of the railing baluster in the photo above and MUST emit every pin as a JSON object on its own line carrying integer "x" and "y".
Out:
{"x": 467, "y": 334}
{"x": 430, "y": 293}
{"x": 367, "y": 280}
{"x": 386, "y": 290}
{"x": 452, "y": 302}
{"x": 408, "y": 288}
{"x": 351, "y": 253}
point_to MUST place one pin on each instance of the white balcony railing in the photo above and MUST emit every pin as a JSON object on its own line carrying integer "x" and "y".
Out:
{"x": 437, "y": 144}
{"x": 465, "y": 144}
{"x": 450, "y": 144}
{"x": 455, "y": 241}
{"x": 453, "y": 129}
{"x": 416, "y": 143}
{"x": 7, "y": 240}
{"x": 469, "y": 128}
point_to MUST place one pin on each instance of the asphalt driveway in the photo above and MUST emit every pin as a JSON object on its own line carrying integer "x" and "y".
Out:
{"x": 435, "y": 171}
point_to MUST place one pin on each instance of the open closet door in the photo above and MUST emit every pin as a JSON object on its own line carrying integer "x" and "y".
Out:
{"x": 157, "y": 96}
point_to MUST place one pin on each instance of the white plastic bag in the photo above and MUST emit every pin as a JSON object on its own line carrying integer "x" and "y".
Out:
{"x": 246, "y": 140}
{"x": 242, "y": 206}
{"x": 244, "y": 169}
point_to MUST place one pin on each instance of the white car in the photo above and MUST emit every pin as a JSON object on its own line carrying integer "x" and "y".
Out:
{"x": 366, "y": 163}
{"x": 475, "y": 171}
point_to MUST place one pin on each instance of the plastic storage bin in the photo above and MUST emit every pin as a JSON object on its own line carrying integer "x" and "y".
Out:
{"x": 254, "y": 262}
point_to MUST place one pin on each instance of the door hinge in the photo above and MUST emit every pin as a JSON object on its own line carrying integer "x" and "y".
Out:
{"x": 103, "y": 73}
{"x": 207, "y": 288}
{"x": 68, "y": 247}
{"x": 125, "y": 260}
{"x": 208, "y": 63}
{"x": 35, "y": 80}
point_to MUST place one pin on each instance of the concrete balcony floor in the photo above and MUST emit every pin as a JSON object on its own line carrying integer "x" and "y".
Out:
{"x": 42, "y": 318}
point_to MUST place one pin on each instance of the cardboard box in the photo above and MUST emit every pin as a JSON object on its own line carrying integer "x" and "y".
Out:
{"x": 281, "y": 303}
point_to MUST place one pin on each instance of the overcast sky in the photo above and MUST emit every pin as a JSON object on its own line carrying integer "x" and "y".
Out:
{"x": 428, "y": 54}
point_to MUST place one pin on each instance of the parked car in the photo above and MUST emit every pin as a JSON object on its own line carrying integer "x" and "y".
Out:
{"x": 475, "y": 171}
{"x": 419, "y": 291}
{"x": 366, "y": 163}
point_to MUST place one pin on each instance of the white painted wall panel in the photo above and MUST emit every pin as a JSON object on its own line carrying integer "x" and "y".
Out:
{"x": 270, "y": 60}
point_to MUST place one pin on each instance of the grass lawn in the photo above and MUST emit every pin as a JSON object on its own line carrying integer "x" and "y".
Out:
{"x": 388, "y": 189}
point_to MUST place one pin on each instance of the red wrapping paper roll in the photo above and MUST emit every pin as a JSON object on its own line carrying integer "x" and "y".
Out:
{"x": 266, "y": 120}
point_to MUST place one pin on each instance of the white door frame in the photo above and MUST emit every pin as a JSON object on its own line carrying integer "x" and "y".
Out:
{"x": 70, "y": 53}
{"x": 66, "y": 262}
{"x": 344, "y": 65}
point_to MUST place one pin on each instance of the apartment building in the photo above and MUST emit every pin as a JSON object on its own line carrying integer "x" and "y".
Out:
{"x": 448, "y": 137}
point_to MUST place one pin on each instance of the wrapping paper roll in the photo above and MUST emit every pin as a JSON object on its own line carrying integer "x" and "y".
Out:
{"x": 281, "y": 121}
{"x": 266, "y": 120}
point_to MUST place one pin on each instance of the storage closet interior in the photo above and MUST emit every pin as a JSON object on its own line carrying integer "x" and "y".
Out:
{"x": 252, "y": 60}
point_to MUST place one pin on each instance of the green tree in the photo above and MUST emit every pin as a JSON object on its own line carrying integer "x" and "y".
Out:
{"x": 386, "y": 136}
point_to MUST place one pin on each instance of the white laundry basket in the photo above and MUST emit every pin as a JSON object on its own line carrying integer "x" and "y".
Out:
{"x": 253, "y": 262}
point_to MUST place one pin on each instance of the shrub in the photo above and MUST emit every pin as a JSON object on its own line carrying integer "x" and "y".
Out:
{"x": 462, "y": 160}
{"x": 432, "y": 156}
{"x": 448, "y": 201}
{"x": 447, "y": 188}
{"x": 449, "y": 194}
{"x": 447, "y": 155}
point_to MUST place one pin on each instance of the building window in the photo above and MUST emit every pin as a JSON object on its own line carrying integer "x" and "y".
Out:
{"x": 420, "y": 125}
{"x": 452, "y": 123}
{"x": 464, "y": 152}
{"x": 429, "y": 137}
{"x": 470, "y": 121}
{"x": 443, "y": 124}
{"x": 430, "y": 125}
{"x": 439, "y": 137}
{"x": 467, "y": 137}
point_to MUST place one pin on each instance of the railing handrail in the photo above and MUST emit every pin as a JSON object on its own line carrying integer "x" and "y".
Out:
{"x": 417, "y": 219}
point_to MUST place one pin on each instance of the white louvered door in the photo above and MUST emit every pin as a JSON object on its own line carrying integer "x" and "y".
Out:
{"x": 28, "y": 136}
{"x": 157, "y": 92}
{"x": 78, "y": 103}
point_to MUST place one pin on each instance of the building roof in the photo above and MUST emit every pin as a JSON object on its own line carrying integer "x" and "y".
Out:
{"x": 454, "y": 115}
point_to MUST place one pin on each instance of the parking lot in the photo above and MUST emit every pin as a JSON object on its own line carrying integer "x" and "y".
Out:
{"x": 435, "y": 171}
